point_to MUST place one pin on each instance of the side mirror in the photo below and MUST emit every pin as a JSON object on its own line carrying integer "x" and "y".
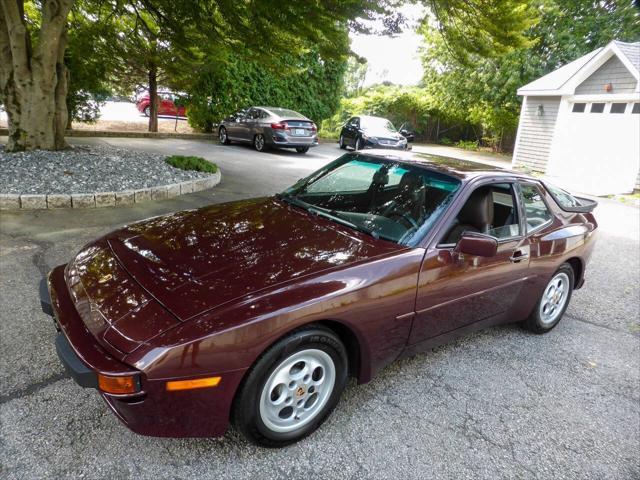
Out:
{"x": 477, "y": 244}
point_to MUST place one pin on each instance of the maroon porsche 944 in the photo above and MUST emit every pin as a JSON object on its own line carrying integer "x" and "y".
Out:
{"x": 256, "y": 312}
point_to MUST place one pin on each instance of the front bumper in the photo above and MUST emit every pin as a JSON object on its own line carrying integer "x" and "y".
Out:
{"x": 83, "y": 375}
{"x": 152, "y": 411}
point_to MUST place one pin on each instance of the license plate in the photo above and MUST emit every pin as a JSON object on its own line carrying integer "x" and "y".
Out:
{"x": 299, "y": 131}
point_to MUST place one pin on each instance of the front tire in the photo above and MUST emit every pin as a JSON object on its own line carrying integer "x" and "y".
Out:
{"x": 359, "y": 145}
{"x": 341, "y": 143}
{"x": 259, "y": 143}
{"x": 553, "y": 302}
{"x": 222, "y": 135}
{"x": 147, "y": 111}
{"x": 292, "y": 388}
{"x": 302, "y": 149}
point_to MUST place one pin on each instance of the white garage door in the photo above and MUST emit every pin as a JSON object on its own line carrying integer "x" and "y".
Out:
{"x": 596, "y": 147}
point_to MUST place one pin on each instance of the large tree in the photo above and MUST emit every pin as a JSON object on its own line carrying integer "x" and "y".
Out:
{"x": 34, "y": 78}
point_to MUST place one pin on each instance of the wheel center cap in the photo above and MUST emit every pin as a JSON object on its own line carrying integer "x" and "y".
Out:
{"x": 300, "y": 391}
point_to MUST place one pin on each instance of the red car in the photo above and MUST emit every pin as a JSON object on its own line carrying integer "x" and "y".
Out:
{"x": 258, "y": 311}
{"x": 166, "y": 106}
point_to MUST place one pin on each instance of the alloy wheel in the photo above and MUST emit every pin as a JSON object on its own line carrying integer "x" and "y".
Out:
{"x": 223, "y": 135}
{"x": 258, "y": 142}
{"x": 297, "y": 390}
{"x": 554, "y": 298}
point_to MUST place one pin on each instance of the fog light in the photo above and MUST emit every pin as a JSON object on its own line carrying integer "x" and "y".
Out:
{"x": 194, "y": 383}
{"x": 118, "y": 385}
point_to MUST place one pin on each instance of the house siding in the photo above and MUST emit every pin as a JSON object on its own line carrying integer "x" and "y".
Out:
{"x": 535, "y": 133}
{"x": 612, "y": 71}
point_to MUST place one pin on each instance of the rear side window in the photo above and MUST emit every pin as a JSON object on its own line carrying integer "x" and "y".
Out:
{"x": 564, "y": 198}
{"x": 536, "y": 211}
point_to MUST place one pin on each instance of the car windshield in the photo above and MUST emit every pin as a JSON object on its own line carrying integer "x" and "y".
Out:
{"x": 382, "y": 197}
{"x": 376, "y": 123}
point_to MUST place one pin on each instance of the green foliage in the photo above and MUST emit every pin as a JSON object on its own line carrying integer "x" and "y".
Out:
{"x": 197, "y": 164}
{"x": 482, "y": 88}
{"x": 398, "y": 104}
{"x": 355, "y": 75}
{"x": 89, "y": 62}
{"x": 308, "y": 84}
{"x": 484, "y": 28}
{"x": 467, "y": 144}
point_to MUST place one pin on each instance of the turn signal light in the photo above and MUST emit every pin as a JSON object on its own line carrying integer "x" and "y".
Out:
{"x": 118, "y": 385}
{"x": 176, "y": 385}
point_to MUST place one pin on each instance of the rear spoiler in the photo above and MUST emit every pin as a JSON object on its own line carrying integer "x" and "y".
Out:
{"x": 584, "y": 205}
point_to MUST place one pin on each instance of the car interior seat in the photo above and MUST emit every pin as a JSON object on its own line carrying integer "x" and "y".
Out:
{"x": 475, "y": 216}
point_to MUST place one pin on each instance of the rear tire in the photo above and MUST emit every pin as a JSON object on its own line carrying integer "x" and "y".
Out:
{"x": 222, "y": 135}
{"x": 259, "y": 143}
{"x": 292, "y": 388}
{"x": 359, "y": 145}
{"x": 302, "y": 149}
{"x": 553, "y": 302}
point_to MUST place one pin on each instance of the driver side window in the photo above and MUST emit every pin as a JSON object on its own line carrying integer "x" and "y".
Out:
{"x": 491, "y": 210}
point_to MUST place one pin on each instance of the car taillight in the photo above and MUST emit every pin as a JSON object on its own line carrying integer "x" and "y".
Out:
{"x": 314, "y": 128}
{"x": 279, "y": 126}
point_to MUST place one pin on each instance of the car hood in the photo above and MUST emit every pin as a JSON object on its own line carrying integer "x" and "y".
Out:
{"x": 193, "y": 261}
{"x": 382, "y": 133}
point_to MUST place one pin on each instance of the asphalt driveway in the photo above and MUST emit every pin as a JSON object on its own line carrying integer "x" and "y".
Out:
{"x": 502, "y": 403}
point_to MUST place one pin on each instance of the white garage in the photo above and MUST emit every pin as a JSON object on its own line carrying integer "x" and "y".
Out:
{"x": 580, "y": 125}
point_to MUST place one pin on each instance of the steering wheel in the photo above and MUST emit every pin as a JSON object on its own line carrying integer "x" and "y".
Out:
{"x": 404, "y": 216}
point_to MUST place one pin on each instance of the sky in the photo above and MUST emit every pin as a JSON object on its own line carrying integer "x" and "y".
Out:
{"x": 392, "y": 58}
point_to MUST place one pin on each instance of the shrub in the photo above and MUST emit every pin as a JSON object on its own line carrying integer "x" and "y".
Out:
{"x": 446, "y": 141}
{"x": 197, "y": 164}
{"x": 467, "y": 144}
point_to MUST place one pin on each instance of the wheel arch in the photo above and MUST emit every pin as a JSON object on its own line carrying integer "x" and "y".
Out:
{"x": 577, "y": 266}
{"x": 357, "y": 367}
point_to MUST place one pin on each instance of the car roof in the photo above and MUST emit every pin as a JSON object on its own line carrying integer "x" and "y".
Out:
{"x": 462, "y": 169}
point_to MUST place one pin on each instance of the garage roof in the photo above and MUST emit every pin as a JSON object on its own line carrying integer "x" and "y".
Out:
{"x": 564, "y": 80}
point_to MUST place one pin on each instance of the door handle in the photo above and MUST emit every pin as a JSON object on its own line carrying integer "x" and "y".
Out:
{"x": 518, "y": 256}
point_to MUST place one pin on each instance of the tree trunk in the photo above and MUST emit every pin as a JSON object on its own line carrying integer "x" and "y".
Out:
{"x": 153, "y": 98}
{"x": 33, "y": 83}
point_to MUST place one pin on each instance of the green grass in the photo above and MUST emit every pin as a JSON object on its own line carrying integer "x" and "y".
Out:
{"x": 198, "y": 164}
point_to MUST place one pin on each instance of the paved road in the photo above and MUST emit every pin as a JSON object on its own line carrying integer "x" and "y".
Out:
{"x": 502, "y": 403}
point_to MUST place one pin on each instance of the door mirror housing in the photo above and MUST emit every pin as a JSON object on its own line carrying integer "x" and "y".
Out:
{"x": 477, "y": 244}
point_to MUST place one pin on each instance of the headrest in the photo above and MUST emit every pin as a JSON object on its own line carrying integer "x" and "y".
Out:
{"x": 478, "y": 209}
{"x": 410, "y": 184}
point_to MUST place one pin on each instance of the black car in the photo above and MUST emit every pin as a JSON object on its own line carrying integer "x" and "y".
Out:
{"x": 372, "y": 132}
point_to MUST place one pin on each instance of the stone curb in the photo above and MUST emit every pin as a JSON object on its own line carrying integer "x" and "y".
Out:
{"x": 108, "y": 133}
{"x": 12, "y": 201}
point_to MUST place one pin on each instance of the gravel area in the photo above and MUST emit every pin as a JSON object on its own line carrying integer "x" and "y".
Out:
{"x": 86, "y": 169}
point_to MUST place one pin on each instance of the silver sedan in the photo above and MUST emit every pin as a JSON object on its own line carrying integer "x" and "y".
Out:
{"x": 267, "y": 127}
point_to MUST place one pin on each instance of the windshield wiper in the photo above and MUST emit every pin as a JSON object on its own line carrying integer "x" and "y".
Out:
{"x": 287, "y": 197}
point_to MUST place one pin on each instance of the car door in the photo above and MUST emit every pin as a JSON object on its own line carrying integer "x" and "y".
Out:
{"x": 456, "y": 290}
{"x": 247, "y": 125}
{"x": 351, "y": 131}
{"x": 234, "y": 124}
{"x": 167, "y": 106}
